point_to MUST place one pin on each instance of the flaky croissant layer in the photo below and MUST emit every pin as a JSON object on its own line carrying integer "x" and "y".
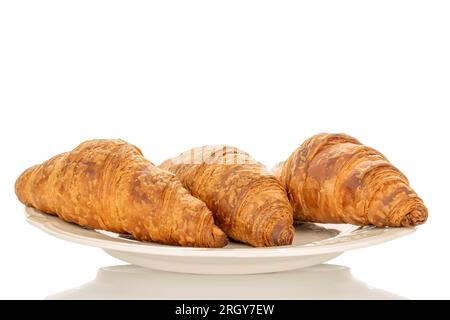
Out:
{"x": 333, "y": 178}
{"x": 248, "y": 203}
{"x": 108, "y": 184}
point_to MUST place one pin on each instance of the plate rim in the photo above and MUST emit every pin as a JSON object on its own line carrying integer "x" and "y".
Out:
{"x": 48, "y": 223}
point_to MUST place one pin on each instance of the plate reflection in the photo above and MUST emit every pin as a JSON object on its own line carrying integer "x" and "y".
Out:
{"x": 324, "y": 281}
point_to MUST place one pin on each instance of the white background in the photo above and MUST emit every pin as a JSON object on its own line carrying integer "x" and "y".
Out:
{"x": 261, "y": 75}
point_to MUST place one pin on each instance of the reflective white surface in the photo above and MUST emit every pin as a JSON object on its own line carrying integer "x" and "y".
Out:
{"x": 324, "y": 281}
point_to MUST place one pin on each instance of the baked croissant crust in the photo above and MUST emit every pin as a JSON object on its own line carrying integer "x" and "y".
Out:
{"x": 109, "y": 185}
{"x": 248, "y": 203}
{"x": 333, "y": 178}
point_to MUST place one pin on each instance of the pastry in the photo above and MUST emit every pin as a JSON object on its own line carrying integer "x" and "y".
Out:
{"x": 333, "y": 178}
{"x": 249, "y": 204}
{"x": 109, "y": 185}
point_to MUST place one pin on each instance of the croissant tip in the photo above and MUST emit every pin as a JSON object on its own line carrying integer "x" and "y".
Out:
{"x": 282, "y": 233}
{"x": 415, "y": 217}
{"x": 219, "y": 238}
{"x": 21, "y": 181}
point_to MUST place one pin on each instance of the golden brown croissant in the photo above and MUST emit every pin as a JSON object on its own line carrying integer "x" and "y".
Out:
{"x": 334, "y": 178}
{"x": 108, "y": 184}
{"x": 248, "y": 203}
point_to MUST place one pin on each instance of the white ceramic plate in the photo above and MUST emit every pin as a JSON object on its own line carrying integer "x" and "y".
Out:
{"x": 313, "y": 244}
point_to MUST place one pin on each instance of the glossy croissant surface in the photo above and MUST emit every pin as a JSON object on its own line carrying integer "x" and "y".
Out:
{"x": 333, "y": 178}
{"x": 109, "y": 185}
{"x": 248, "y": 203}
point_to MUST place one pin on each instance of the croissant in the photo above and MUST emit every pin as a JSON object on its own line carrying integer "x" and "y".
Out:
{"x": 333, "y": 178}
{"x": 109, "y": 185}
{"x": 248, "y": 203}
